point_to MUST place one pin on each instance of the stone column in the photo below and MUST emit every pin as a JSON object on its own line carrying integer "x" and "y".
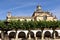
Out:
{"x": 2, "y": 35}
{"x": 16, "y": 36}
{"x": 6, "y": 37}
{"x": 54, "y": 36}
{"x": 29, "y": 36}
{"x": 20, "y": 38}
{"x": 35, "y": 37}
{"x": 42, "y": 36}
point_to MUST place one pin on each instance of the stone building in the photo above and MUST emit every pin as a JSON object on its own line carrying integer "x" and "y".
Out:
{"x": 38, "y": 14}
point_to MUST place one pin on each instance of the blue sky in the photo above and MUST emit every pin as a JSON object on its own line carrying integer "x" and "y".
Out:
{"x": 27, "y": 7}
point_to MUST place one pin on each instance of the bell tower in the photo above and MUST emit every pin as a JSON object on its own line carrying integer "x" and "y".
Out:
{"x": 9, "y": 14}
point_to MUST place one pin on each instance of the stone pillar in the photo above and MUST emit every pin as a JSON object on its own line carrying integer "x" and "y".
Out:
{"x": 16, "y": 36}
{"x": 29, "y": 36}
{"x": 54, "y": 36}
{"x": 2, "y": 35}
{"x": 42, "y": 36}
{"x": 35, "y": 37}
{"x": 20, "y": 38}
{"x": 6, "y": 37}
{"x": 26, "y": 37}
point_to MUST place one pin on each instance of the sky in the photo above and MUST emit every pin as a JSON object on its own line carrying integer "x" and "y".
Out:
{"x": 27, "y": 7}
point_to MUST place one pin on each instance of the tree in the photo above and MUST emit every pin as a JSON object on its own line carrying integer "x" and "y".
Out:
{"x": 32, "y": 24}
{"x": 2, "y": 26}
{"x": 54, "y": 25}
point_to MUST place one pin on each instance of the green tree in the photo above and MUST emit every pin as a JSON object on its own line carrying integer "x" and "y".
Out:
{"x": 2, "y": 26}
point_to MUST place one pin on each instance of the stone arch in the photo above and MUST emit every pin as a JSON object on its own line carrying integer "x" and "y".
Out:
{"x": 31, "y": 34}
{"x": 21, "y": 35}
{"x": 47, "y": 34}
{"x": 56, "y": 34}
{"x": 12, "y": 35}
{"x": 39, "y": 34}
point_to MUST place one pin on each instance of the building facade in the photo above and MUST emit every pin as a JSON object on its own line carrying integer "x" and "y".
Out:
{"x": 38, "y": 14}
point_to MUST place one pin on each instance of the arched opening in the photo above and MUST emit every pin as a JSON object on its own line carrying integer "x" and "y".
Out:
{"x": 31, "y": 34}
{"x": 56, "y": 34}
{"x": 0, "y": 35}
{"x": 47, "y": 34}
{"x": 39, "y": 34}
{"x": 12, "y": 35}
{"x": 21, "y": 35}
